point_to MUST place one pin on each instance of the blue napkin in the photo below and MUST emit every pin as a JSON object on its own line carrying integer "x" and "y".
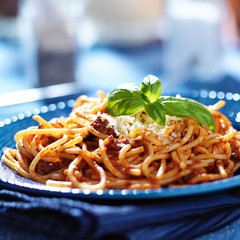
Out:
{"x": 63, "y": 218}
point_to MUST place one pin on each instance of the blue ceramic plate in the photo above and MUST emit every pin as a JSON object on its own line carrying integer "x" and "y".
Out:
{"x": 10, "y": 179}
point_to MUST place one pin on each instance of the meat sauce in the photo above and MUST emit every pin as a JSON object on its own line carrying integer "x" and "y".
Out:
{"x": 101, "y": 125}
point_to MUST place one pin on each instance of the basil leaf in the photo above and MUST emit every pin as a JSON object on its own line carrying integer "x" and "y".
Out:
{"x": 151, "y": 88}
{"x": 183, "y": 107}
{"x": 156, "y": 112}
{"x": 124, "y": 102}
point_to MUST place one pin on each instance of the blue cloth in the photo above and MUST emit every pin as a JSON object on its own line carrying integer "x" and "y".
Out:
{"x": 62, "y": 218}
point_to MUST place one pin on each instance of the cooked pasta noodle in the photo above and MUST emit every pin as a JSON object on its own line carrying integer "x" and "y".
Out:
{"x": 87, "y": 151}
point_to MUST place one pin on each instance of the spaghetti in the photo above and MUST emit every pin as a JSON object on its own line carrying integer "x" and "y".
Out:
{"x": 92, "y": 150}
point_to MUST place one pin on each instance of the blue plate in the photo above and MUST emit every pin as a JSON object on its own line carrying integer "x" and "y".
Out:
{"x": 10, "y": 179}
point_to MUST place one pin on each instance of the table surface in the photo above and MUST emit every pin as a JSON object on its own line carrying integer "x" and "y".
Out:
{"x": 105, "y": 68}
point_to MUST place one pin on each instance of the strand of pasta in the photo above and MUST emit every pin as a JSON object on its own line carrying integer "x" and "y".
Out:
{"x": 34, "y": 131}
{"x": 107, "y": 161}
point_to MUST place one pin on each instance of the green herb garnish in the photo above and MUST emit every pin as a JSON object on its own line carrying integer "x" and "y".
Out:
{"x": 129, "y": 99}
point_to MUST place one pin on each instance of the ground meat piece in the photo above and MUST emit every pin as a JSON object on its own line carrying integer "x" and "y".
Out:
{"x": 91, "y": 146}
{"x": 116, "y": 144}
{"x": 100, "y": 125}
{"x": 137, "y": 143}
{"x": 235, "y": 146}
{"x": 211, "y": 167}
{"x": 44, "y": 167}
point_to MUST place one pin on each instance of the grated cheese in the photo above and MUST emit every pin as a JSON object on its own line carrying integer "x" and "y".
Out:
{"x": 126, "y": 124}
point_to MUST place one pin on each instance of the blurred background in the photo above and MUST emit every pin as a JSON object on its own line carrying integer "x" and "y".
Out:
{"x": 85, "y": 45}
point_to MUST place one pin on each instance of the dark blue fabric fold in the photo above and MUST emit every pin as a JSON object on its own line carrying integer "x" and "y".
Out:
{"x": 63, "y": 218}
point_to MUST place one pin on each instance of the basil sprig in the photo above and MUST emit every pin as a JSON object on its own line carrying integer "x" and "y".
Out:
{"x": 129, "y": 99}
